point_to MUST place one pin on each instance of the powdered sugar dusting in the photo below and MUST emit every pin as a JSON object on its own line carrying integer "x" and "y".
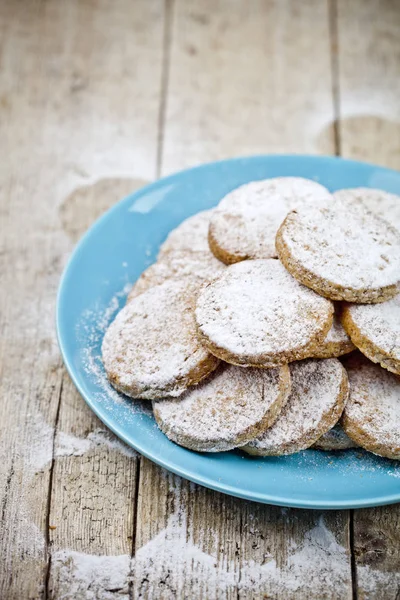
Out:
{"x": 344, "y": 244}
{"x": 316, "y": 391}
{"x": 377, "y": 201}
{"x": 70, "y": 445}
{"x": 90, "y": 332}
{"x": 225, "y": 410}
{"x": 245, "y": 222}
{"x": 191, "y": 235}
{"x": 79, "y": 576}
{"x": 157, "y": 356}
{"x": 256, "y": 308}
{"x": 195, "y": 267}
{"x": 374, "y": 403}
{"x": 380, "y": 324}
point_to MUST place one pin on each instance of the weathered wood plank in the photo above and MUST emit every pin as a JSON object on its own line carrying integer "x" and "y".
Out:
{"x": 369, "y": 108}
{"x": 246, "y": 78}
{"x": 240, "y": 82}
{"x": 79, "y": 99}
{"x": 369, "y": 82}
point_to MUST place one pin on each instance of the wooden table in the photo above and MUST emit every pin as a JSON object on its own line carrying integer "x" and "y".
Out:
{"x": 98, "y": 97}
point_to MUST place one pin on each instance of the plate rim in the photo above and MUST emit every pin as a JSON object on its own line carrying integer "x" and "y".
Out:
{"x": 184, "y": 472}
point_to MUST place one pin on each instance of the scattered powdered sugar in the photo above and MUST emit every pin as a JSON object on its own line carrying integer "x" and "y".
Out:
{"x": 379, "y": 324}
{"x": 90, "y": 332}
{"x": 160, "y": 355}
{"x": 190, "y": 235}
{"x": 194, "y": 266}
{"x": 314, "y": 405}
{"x": 226, "y": 410}
{"x": 172, "y": 565}
{"x": 39, "y": 451}
{"x": 70, "y": 445}
{"x": 373, "y": 408}
{"x": 343, "y": 244}
{"x": 245, "y": 222}
{"x": 79, "y": 576}
{"x": 256, "y": 309}
{"x": 379, "y": 202}
{"x": 334, "y": 439}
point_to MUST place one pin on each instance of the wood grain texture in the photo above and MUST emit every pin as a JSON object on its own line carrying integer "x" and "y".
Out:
{"x": 247, "y": 78}
{"x": 79, "y": 101}
{"x": 369, "y": 127}
{"x": 239, "y": 82}
{"x": 369, "y": 81}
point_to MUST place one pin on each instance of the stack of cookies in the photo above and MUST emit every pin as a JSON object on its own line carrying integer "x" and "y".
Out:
{"x": 235, "y": 332}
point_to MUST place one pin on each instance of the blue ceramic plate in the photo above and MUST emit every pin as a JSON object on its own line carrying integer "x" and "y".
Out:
{"x": 111, "y": 256}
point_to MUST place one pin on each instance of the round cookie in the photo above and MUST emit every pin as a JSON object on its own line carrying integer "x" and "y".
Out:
{"x": 319, "y": 393}
{"x": 335, "y": 439}
{"x": 245, "y": 222}
{"x": 342, "y": 251}
{"x": 256, "y": 314}
{"x": 335, "y": 344}
{"x": 375, "y": 330}
{"x": 372, "y": 414}
{"x": 195, "y": 266}
{"x": 226, "y": 410}
{"x": 379, "y": 202}
{"x": 151, "y": 349}
{"x": 190, "y": 235}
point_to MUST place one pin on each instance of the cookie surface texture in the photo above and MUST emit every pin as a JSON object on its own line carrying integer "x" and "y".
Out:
{"x": 342, "y": 251}
{"x": 334, "y": 439}
{"x": 151, "y": 349}
{"x": 256, "y": 314}
{"x": 319, "y": 393}
{"x": 372, "y": 414}
{"x": 229, "y": 408}
{"x": 377, "y": 201}
{"x": 245, "y": 223}
{"x": 194, "y": 266}
{"x": 336, "y": 343}
{"x": 375, "y": 330}
{"x": 191, "y": 234}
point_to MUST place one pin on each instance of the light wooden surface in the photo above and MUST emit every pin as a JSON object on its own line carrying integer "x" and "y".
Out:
{"x": 96, "y": 99}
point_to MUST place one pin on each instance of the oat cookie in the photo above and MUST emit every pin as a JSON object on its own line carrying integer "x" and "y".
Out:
{"x": 256, "y": 314}
{"x": 228, "y": 409}
{"x": 194, "y": 266}
{"x": 151, "y": 349}
{"x": 379, "y": 202}
{"x": 318, "y": 395}
{"x": 335, "y": 439}
{"x": 342, "y": 251}
{"x": 372, "y": 414}
{"x": 336, "y": 343}
{"x": 190, "y": 235}
{"x": 245, "y": 222}
{"x": 375, "y": 330}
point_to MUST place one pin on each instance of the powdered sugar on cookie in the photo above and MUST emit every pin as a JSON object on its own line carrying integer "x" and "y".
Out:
{"x": 256, "y": 314}
{"x": 193, "y": 266}
{"x": 342, "y": 251}
{"x": 379, "y": 202}
{"x": 319, "y": 392}
{"x": 372, "y": 415}
{"x": 245, "y": 222}
{"x": 230, "y": 408}
{"x": 375, "y": 329}
{"x": 151, "y": 349}
{"x": 190, "y": 235}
